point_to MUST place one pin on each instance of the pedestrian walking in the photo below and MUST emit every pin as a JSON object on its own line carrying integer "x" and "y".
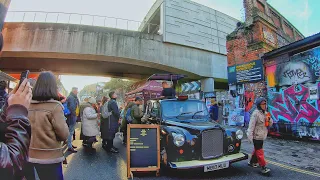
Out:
{"x": 48, "y": 128}
{"x": 136, "y": 110}
{"x": 90, "y": 124}
{"x": 257, "y": 133}
{"x": 109, "y": 123}
{"x": 73, "y": 105}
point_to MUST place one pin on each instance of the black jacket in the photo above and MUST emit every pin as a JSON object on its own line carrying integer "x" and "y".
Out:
{"x": 14, "y": 145}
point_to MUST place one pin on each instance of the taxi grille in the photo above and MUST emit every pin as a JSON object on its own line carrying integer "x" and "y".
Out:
{"x": 212, "y": 144}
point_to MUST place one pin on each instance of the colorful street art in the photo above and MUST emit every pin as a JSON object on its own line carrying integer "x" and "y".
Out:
{"x": 303, "y": 67}
{"x": 252, "y": 92}
{"x": 294, "y": 113}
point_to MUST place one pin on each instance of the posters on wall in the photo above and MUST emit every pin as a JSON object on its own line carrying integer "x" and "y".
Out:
{"x": 236, "y": 108}
{"x": 313, "y": 93}
{"x": 247, "y": 72}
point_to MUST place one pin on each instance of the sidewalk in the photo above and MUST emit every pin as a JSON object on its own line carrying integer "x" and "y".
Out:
{"x": 304, "y": 155}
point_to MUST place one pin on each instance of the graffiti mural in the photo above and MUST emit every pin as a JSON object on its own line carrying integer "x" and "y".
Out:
{"x": 294, "y": 112}
{"x": 303, "y": 67}
{"x": 252, "y": 92}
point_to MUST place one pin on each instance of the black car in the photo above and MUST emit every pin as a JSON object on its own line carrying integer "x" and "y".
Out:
{"x": 189, "y": 139}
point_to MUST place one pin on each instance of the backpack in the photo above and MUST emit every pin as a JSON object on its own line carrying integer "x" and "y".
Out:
{"x": 129, "y": 118}
{"x": 105, "y": 113}
{"x": 66, "y": 110}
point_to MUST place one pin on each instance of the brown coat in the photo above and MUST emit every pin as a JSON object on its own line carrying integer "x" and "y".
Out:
{"x": 48, "y": 129}
{"x": 257, "y": 129}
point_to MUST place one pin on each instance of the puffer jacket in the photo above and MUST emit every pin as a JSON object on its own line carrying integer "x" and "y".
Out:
{"x": 257, "y": 129}
{"x": 14, "y": 148}
{"x": 90, "y": 122}
{"x": 49, "y": 129}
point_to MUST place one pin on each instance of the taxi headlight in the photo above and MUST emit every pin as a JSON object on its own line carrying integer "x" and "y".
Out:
{"x": 178, "y": 139}
{"x": 239, "y": 134}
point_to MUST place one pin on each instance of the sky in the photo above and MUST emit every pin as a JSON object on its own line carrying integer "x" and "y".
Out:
{"x": 70, "y": 81}
{"x": 303, "y": 14}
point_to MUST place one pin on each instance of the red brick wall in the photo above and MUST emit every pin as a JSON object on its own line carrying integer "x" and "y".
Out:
{"x": 288, "y": 30}
{"x": 276, "y": 20}
{"x": 261, "y": 7}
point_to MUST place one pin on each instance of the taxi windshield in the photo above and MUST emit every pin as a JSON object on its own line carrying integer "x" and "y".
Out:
{"x": 184, "y": 109}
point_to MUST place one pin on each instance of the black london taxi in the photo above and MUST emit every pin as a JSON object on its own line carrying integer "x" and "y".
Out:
{"x": 188, "y": 137}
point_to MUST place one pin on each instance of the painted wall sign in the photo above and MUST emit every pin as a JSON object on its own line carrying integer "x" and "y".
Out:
{"x": 248, "y": 72}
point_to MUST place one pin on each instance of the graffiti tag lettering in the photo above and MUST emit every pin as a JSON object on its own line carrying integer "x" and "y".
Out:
{"x": 299, "y": 73}
{"x": 292, "y": 106}
{"x": 314, "y": 63}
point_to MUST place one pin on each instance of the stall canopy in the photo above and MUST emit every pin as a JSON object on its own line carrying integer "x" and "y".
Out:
{"x": 166, "y": 77}
{"x": 151, "y": 89}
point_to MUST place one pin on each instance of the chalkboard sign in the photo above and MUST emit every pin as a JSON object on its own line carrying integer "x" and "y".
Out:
{"x": 143, "y": 148}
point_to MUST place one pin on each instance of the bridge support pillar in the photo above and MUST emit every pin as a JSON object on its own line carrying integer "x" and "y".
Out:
{"x": 207, "y": 85}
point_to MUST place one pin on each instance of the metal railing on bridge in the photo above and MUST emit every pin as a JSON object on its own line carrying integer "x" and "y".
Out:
{"x": 82, "y": 19}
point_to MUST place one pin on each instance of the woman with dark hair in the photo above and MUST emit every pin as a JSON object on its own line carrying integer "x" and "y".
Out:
{"x": 48, "y": 129}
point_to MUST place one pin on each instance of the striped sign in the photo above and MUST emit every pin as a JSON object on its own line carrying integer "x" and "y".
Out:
{"x": 191, "y": 86}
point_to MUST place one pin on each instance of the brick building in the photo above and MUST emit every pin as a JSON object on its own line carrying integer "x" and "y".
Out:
{"x": 264, "y": 29}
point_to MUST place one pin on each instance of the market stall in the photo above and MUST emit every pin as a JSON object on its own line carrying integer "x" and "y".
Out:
{"x": 151, "y": 89}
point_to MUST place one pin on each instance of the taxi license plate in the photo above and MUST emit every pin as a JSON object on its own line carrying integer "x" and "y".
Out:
{"x": 217, "y": 166}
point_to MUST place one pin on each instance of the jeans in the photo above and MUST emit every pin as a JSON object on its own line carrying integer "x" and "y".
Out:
{"x": 71, "y": 131}
{"x": 258, "y": 154}
{"x": 44, "y": 171}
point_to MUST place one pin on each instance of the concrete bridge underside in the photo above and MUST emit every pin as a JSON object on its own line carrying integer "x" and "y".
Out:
{"x": 79, "y": 49}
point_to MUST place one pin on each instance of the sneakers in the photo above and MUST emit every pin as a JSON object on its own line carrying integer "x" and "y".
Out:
{"x": 265, "y": 170}
{"x": 254, "y": 165}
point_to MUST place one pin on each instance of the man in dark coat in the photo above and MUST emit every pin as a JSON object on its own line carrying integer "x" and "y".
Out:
{"x": 73, "y": 103}
{"x": 110, "y": 125}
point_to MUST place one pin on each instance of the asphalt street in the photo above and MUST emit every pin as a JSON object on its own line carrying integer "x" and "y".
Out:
{"x": 104, "y": 166}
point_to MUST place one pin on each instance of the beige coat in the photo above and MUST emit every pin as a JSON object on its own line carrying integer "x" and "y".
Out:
{"x": 48, "y": 130}
{"x": 257, "y": 129}
{"x": 90, "y": 122}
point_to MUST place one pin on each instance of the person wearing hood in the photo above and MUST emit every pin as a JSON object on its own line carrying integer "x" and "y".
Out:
{"x": 90, "y": 123}
{"x": 257, "y": 133}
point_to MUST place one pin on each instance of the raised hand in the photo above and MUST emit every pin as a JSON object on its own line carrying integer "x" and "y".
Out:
{"x": 21, "y": 95}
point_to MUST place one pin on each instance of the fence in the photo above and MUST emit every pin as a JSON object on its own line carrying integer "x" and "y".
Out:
{"x": 75, "y": 18}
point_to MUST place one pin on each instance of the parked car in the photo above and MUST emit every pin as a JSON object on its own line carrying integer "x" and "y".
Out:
{"x": 189, "y": 139}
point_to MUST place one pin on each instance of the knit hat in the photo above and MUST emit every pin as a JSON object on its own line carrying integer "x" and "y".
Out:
{"x": 92, "y": 100}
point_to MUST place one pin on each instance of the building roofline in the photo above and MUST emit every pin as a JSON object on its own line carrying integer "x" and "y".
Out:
{"x": 294, "y": 45}
{"x": 287, "y": 21}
